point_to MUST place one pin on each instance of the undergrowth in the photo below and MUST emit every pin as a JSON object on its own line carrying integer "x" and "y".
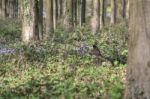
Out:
{"x": 62, "y": 68}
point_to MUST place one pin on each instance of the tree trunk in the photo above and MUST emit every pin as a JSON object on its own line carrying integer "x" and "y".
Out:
{"x": 0, "y": 8}
{"x": 68, "y": 20}
{"x": 113, "y": 12}
{"x": 12, "y": 8}
{"x": 79, "y": 12}
{"x": 83, "y": 12}
{"x": 138, "y": 72}
{"x": 95, "y": 20}
{"x": 64, "y": 10}
{"x": 74, "y": 12}
{"x": 49, "y": 18}
{"x": 124, "y": 3}
{"x": 30, "y": 24}
{"x": 40, "y": 19}
{"x": 3, "y": 8}
{"x": 103, "y": 13}
{"x": 127, "y": 11}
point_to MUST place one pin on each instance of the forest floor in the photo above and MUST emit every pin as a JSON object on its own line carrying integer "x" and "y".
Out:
{"x": 62, "y": 68}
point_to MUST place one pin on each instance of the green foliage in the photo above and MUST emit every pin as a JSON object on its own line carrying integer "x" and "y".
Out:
{"x": 62, "y": 68}
{"x": 10, "y": 30}
{"x": 58, "y": 80}
{"x": 113, "y": 42}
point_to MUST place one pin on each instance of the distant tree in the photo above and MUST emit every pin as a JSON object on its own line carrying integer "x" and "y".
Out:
{"x": 114, "y": 11}
{"x": 124, "y": 8}
{"x": 74, "y": 5}
{"x": 63, "y": 11}
{"x": 95, "y": 20}
{"x": 30, "y": 21}
{"x": 103, "y": 13}
{"x": 0, "y": 8}
{"x": 83, "y": 12}
{"x": 49, "y": 18}
{"x": 138, "y": 71}
{"x": 68, "y": 20}
{"x": 92, "y": 7}
{"x": 55, "y": 13}
{"x": 127, "y": 10}
{"x": 3, "y": 8}
{"x": 79, "y": 12}
{"x": 40, "y": 11}
{"x": 71, "y": 7}
{"x": 12, "y": 8}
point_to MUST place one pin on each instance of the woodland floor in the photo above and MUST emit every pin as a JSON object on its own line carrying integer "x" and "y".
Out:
{"x": 62, "y": 68}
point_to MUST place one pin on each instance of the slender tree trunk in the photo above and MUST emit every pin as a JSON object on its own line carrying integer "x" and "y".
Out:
{"x": 92, "y": 7}
{"x": 3, "y": 10}
{"x": 35, "y": 8}
{"x": 95, "y": 20}
{"x": 68, "y": 21}
{"x": 103, "y": 13}
{"x": 64, "y": 10}
{"x": 11, "y": 8}
{"x": 138, "y": 72}
{"x": 20, "y": 9}
{"x": 113, "y": 12}
{"x": 61, "y": 8}
{"x": 83, "y": 12}
{"x": 0, "y": 8}
{"x": 79, "y": 12}
{"x": 56, "y": 13}
{"x": 40, "y": 19}
{"x": 124, "y": 3}
{"x": 127, "y": 11}
{"x": 49, "y": 18}
{"x": 74, "y": 12}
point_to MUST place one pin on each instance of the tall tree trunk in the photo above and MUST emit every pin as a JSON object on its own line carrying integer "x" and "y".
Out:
{"x": 56, "y": 13}
{"x": 79, "y": 12}
{"x": 30, "y": 24}
{"x": 41, "y": 19}
{"x": 64, "y": 10}
{"x": 35, "y": 8}
{"x": 68, "y": 20}
{"x": 92, "y": 7}
{"x": 83, "y": 12}
{"x": 11, "y": 8}
{"x": 95, "y": 20}
{"x": 113, "y": 12}
{"x": 124, "y": 4}
{"x": 127, "y": 11}
{"x": 3, "y": 10}
{"x": 61, "y": 7}
{"x": 49, "y": 18}
{"x": 70, "y": 5}
{"x": 103, "y": 13}
{"x": 138, "y": 72}
{"x": 0, "y": 8}
{"x": 74, "y": 12}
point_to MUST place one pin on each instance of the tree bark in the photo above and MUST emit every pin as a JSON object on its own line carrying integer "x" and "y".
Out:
{"x": 95, "y": 20}
{"x": 49, "y": 18}
{"x": 113, "y": 12}
{"x": 103, "y": 13}
{"x": 124, "y": 8}
{"x": 30, "y": 21}
{"x": 3, "y": 10}
{"x": 138, "y": 72}
{"x": 40, "y": 19}
{"x": 83, "y": 12}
